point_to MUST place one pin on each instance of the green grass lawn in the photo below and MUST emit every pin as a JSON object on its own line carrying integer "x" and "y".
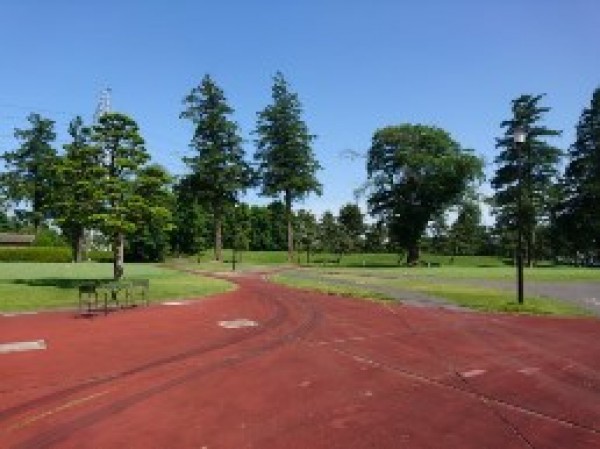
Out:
{"x": 545, "y": 274}
{"x": 438, "y": 282}
{"x": 33, "y": 286}
{"x": 328, "y": 287}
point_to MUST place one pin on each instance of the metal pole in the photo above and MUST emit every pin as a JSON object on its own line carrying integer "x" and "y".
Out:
{"x": 519, "y": 224}
{"x": 234, "y": 237}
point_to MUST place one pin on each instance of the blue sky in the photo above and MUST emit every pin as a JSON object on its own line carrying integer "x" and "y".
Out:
{"x": 356, "y": 65}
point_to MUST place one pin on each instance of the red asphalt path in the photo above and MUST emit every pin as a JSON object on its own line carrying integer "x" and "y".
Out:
{"x": 318, "y": 372}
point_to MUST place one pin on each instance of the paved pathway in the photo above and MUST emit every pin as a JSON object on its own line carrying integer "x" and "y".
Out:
{"x": 316, "y": 371}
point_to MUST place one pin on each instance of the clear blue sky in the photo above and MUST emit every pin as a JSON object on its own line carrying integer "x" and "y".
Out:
{"x": 357, "y": 66}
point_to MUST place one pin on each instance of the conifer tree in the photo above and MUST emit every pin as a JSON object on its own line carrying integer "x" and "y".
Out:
{"x": 116, "y": 136}
{"x": 580, "y": 210}
{"x": 78, "y": 192}
{"x": 287, "y": 165}
{"x": 219, "y": 171}
{"x": 538, "y": 160}
{"x": 30, "y": 168}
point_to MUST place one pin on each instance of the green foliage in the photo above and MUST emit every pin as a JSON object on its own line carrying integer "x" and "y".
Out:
{"x": 538, "y": 161}
{"x": 466, "y": 233}
{"x": 116, "y": 136}
{"x": 237, "y": 226}
{"x": 46, "y": 255}
{"x": 416, "y": 172}
{"x": 352, "y": 221}
{"x": 150, "y": 240}
{"x": 286, "y": 161}
{"x": 219, "y": 171}
{"x": 78, "y": 192}
{"x": 261, "y": 225}
{"x": 579, "y": 212}
{"x": 190, "y": 233}
{"x": 306, "y": 231}
{"x": 29, "y": 175}
{"x": 49, "y": 237}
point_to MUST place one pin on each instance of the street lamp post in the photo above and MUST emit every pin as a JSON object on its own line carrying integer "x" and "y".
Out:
{"x": 234, "y": 244}
{"x": 519, "y": 137}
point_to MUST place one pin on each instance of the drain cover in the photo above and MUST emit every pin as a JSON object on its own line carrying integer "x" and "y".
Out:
{"x": 236, "y": 324}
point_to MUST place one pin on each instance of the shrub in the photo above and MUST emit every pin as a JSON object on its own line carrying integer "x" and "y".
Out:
{"x": 48, "y": 254}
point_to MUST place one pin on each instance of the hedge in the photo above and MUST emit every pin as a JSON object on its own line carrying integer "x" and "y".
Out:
{"x": 48, "y": 254}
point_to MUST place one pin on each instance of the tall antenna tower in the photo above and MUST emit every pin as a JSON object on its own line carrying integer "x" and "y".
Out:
{"x": 103, "y": 106}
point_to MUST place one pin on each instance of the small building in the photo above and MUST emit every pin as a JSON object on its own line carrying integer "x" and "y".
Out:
{"x": 16, "y": 240}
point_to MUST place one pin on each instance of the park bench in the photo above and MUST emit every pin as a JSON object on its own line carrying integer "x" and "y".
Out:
{"x": 140, "y": 287}
{"x": 88, "y": 296}
{"x": 117, "y": 294}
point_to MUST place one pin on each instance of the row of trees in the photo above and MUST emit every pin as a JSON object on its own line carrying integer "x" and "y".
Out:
{"x": 416, "y": 175}
{"x": 103, "y": 179}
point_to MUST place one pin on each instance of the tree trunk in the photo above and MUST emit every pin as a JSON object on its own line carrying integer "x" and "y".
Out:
{"x": 290, "y": 228}
{"x": 218, "y": 239}
{"x": 77, "y": 245}
{"x": 412, "y": 256}
{"x": 119, "y": 255}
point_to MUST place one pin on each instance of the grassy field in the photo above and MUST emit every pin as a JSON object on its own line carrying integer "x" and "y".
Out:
{"x": 448, "y": 283}
{"x": 545, "y": 274}
{"x": 34, "y": 286}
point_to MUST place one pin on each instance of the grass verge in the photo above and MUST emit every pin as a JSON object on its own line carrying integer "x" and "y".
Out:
{"x": 329, "y": 288}
{"x": 490, "y": 300}
{"x": 468, "y": 296}
{"x": 37, "y": 286}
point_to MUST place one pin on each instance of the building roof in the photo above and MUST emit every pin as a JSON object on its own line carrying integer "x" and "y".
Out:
{"x": 16, "y": 238}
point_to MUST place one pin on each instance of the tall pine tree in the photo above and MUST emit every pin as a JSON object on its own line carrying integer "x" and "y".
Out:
{"x": 117, "y": 137}
{"x": 219, "y": 171}
{"x": 30, "y": 168}
{"x": 539, "y": 161}
{"x": 580, "y": 211}
{"x": 287, "y": 165}
{"x": 77, "y": 194}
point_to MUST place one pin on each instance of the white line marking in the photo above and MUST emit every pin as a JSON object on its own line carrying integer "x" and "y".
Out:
{"x": 173, "y": 303}
{"x": 236, "y": 324}
{"x": 10, "y": 315}
{"x": 529, "y": 371}
{"x": 21, "y": 346}
{"x": 473, "y": 373}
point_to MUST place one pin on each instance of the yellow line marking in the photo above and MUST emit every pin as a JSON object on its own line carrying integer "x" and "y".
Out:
{"x": 54, "y": 411}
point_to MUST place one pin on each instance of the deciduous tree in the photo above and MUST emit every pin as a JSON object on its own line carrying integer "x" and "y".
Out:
{"x": 415, "y": 173}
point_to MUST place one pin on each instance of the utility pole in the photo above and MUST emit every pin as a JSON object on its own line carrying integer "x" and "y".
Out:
{"x": 103, "y": 106}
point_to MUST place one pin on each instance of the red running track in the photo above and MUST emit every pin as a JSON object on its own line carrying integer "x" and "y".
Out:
{"x": 318, "y": 372}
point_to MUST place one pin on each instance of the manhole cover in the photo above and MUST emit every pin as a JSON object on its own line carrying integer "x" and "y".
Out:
{"x": 236, "y": 324}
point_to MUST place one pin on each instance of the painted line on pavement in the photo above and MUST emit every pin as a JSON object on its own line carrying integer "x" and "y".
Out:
{"x": 22, "y": 346}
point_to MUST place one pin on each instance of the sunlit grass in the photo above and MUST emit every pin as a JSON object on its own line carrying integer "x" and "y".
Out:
{"x": 34, "y": 286}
